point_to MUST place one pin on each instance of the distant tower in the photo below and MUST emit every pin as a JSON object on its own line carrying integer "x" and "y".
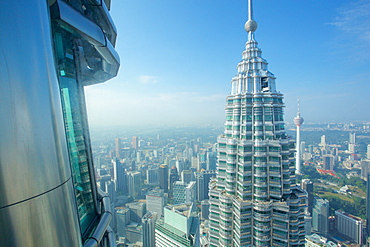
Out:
{"x": 352, "y": 143}
{"x": 298, "y": 121}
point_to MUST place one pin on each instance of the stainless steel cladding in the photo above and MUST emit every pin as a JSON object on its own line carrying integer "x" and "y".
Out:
{"x": 37, "y": 202}
{"x": 49, "y": 50}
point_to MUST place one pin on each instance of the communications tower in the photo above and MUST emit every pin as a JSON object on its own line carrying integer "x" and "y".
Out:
{"x": 298, "y": 121}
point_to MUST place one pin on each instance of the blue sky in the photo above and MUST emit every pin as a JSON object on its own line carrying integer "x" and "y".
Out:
{"x": 178, "y": 58}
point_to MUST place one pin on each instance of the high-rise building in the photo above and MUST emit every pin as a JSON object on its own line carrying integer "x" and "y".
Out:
{"x": 152, "y": 176}
{"x": 180, "y": 227}
{"x": 148, "y": 228}
{"x": 119, "y": 176}
{"x": 123, "y": 219}
{"x": 298, "y": 121}
{"x": 211, "y": 161}
{"x": 135, "y": 142}
{"x": 323, "y": 141}
{"x": 202, "y": 178}
{"x": 174, "y": 176}
{"x": 50, "y": 50}
{"x": 204, "y": 209}
{"x": 368, "y": 152}
{"x": 137, "y": 211}
{"x": 134, "y": 184}
{"x": 328, "y": 162}
{"x": 307, "y": 185}
{"x": 350, "y": 226}
{"x": 254, "y": 200}
{"x": 184, "y": 192}
{"x": 320, "y": 216}
{"x": 163, "y": 177}
{"x": 186, "y": 176}
{"x": 155, "y": 202}
{"x": 118, "y": 147}
{"x": 365, "y": 169}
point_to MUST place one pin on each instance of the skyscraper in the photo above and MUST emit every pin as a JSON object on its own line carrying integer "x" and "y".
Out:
{"x": 119, "y": 176}
{"x": 320, "y": 215}
{"x": 134, "y": 184}
{"x": 163, "y": 177}
{"x": 202, "y": 178}
{"x": 118, "y": 147}
{"x": 307, "y": 185}
{"x": 352, "y": 143}
{"x": 148, "y": 229}
{"x": 50, "y": 50}
{"x": 155, "y": 202}
{"x": 298, "y": 121}
{"x": 254, "y": 200}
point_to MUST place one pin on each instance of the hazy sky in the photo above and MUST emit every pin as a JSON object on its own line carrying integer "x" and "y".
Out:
{"x": 178, "y": 58}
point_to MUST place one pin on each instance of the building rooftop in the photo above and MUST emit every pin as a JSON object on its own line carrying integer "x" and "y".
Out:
{"x": 183, "y": 209}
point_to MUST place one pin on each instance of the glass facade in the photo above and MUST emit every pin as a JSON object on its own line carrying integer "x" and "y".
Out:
{"x": 74, "y": 112}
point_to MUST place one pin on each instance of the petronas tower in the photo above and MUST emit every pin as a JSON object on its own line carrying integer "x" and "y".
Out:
{"x": 254, "y": 198}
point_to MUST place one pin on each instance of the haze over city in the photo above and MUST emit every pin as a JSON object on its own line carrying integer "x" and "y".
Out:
{"x": 178, "y": 58}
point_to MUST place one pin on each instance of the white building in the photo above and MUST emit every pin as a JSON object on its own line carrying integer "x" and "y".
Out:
{"x": 349, "y": 225}
{"x": 155, "y": 202}
{"x": 179, "y": 228}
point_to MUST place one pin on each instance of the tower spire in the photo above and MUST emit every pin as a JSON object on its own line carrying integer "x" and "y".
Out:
{"x": 250, "y": 26}
{"x": 250, "y": 10}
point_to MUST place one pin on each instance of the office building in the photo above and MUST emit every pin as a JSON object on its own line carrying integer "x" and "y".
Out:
{"x": 134, "y": 184}
{"x": 134, "y": 233}
{"x": 184, "y": 192}
{"x": 204, "y": 209}
{"x": 180, "y": 165}
{"x": 118, "y": 148}
{"x": 155, "y": 202}
{"x": 320, "y": 216}
{"x": 123, "y": 219}
{"x": 254, "y": 200}
{"x": 298, "y": 121}
{"x": 163, "y": 177}
{"x": 119, "y": 176}
{"x": 203, "y": 178}
{"x": 174, "y": 176}
{"x": 350, "y": 226}
{"x": 328, "y": 162}
{"x": 148, "y": 228}
{"x": 179, "y": 227}
{"x": 186, "y": 176}
{"x": 137, "y": 211}
{"x": 365, "y": 169}
{"x": 135, "y": 142}
{"x": 368, "y": 152}
{"x": 323, "y": 141}
{"x": 307, "y": 185}
{"x": 46, "y": 165}
{"x": 152, "y": 176}
{"x": 307, "y": 224}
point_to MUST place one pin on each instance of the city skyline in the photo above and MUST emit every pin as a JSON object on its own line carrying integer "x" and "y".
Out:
{"x": 178, "y": 59}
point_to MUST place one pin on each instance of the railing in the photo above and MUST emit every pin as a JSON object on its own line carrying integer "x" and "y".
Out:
{"x": 102, "y": 233}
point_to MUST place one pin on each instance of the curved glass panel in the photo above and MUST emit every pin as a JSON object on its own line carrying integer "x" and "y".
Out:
{"x": 72, "y": 97}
